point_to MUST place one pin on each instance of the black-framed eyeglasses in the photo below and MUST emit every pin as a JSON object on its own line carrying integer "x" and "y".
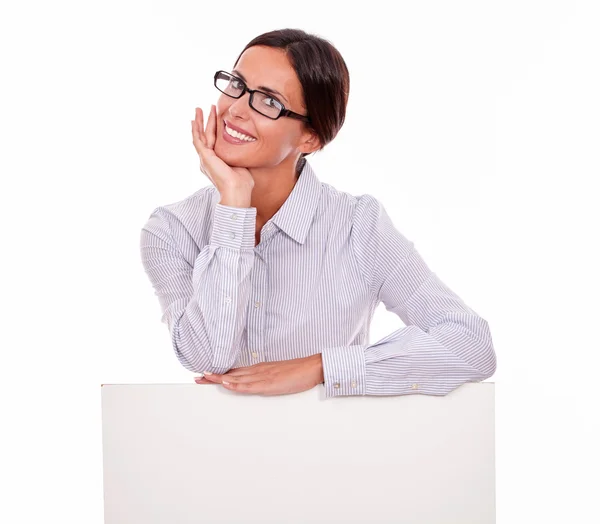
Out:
{"x": 264, "y": 103}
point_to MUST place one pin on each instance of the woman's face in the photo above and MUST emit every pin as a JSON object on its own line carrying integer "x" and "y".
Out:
{"x": 276, "y": 140}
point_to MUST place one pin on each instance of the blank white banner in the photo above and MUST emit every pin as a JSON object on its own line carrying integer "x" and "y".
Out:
{"x": 191, "y": 454}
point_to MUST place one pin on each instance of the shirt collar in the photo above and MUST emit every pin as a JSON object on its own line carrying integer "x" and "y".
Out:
{"x": 296, "y": 214}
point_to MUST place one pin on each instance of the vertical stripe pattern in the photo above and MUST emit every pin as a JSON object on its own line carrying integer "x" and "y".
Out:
{"x": 325, "y": 261}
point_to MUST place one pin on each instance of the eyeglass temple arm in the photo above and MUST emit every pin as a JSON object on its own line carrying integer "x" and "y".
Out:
{"x": 291, "y": 114}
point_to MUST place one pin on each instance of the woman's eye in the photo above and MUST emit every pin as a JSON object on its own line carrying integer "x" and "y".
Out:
{"x": 236, "y": 84}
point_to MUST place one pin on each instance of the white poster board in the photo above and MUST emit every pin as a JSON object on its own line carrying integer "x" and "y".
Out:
{"x": 192, "y": 454}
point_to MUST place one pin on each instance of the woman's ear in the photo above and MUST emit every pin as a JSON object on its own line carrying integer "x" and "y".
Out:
{"x": 311, "y": 143}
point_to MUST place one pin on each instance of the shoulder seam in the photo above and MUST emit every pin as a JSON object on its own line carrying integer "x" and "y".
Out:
{"x": 354, "y": 254}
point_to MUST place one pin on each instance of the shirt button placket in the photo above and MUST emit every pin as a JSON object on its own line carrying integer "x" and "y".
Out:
{"x": 255, "y": 317}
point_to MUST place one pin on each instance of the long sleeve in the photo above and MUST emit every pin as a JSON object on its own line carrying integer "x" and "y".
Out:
{"x": 444, "y": 342}
{"x": 204, "y": 305}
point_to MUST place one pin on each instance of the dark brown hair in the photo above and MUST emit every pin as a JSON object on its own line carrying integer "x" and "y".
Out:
{"x": 323, "y": 75}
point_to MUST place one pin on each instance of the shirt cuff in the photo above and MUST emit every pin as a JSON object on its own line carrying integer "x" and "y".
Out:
{"x": 233, "y": 227}
{"x": 344, "y": 370}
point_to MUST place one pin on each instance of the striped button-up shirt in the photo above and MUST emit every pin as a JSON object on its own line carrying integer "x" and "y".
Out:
{"x": 324, "y": 262}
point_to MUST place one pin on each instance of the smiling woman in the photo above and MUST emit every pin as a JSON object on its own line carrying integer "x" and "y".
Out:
{"x": 268, "y": 281}
{"x": 298, "y": 86}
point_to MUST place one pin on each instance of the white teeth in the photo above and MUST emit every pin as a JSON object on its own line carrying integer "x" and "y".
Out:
{"x": 235, "y": 134}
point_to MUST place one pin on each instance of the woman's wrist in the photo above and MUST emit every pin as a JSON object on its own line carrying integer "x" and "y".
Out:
{"x": 235, "y": 199}
{"x": 317, "y": 360}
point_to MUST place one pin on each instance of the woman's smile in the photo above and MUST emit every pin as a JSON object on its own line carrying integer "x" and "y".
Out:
{"x": 234, "y": 137}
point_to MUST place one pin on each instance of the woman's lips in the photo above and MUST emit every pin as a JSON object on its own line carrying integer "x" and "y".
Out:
{"x": 232, "y": 140}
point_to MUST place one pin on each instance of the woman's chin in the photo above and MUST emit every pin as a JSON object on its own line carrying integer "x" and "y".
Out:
{"x": 230, "y": 154}
{"x": 230, "y": 150}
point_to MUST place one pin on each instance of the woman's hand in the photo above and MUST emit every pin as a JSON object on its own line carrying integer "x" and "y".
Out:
{"x": 225, "y": 178}
{"x": 272, "y": 378}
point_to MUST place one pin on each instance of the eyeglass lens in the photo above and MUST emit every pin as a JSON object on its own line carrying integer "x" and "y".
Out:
{"x": 262, "y": 102}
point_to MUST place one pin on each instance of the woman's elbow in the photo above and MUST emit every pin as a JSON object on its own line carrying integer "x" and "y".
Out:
{"x": 487, "y": 365}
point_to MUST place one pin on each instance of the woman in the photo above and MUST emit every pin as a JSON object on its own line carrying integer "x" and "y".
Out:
{"x": 268, "y": 280}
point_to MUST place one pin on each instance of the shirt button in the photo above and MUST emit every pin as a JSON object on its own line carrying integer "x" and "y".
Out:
{"x": 336, "y": 385}
{"x": 234, "y": 217}
{"x": 415, "y": 386}
{"x": 228, "y": 299}
{"x": 232, "y": 234}
{"x": 353, "y": 384}
{"x": 256, "y": 304}
{"x": 254, "y": 354}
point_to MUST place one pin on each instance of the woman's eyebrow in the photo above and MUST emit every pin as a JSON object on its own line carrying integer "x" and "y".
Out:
{"x": 262, "y": 88}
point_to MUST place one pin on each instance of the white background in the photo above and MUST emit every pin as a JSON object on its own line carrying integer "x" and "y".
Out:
{"x": 480, "y": 135}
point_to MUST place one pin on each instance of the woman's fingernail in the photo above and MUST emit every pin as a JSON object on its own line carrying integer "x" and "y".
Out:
{"x": 226, "y": 383}
{"x": 207, "y": 373}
